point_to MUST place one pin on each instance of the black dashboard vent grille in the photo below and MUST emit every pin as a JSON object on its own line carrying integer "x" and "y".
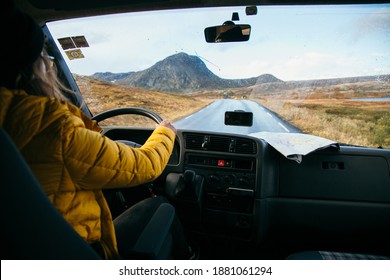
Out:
{"x": 219, "y": 144}
{"x": 245, "y": 146}
{"x": 194, "y": 141}
{"x": 215, "y": 143}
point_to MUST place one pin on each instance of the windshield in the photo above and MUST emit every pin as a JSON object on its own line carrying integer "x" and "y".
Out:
{"x": 321, "y": 70}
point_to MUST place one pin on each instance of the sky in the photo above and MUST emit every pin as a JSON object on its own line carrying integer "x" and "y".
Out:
{"x": 293, "y": 43}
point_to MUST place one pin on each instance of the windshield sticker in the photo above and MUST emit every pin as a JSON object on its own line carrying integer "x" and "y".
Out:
{"x": 73, "y": 42}
{"x": 74, "y": 54}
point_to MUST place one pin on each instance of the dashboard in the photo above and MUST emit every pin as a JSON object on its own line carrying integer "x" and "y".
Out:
{"x": 239, "y": 188}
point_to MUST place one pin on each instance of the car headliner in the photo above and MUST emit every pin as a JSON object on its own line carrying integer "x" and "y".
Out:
{"x": 48, "y": 10}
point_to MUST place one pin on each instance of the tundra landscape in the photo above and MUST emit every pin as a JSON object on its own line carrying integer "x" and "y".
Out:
{"x": 333, "y": 112}
{"x": 352, "y": 110}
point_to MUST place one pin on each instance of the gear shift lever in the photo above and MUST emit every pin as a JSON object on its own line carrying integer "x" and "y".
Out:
{"x": 189, "y": 179}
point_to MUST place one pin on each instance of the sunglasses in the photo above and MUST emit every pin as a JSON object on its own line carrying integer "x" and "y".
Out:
{"x": 48, "y": 59}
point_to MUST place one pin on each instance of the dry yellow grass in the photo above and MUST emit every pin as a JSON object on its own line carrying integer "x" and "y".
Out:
{"x": 349, "y": 122}
{"x": 327, "y": 111}
{"x": 102, "y": 96}
{"x": 322, "y": 111}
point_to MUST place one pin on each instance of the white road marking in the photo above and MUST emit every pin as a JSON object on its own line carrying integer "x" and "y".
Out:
{"x": 285, "y": 128}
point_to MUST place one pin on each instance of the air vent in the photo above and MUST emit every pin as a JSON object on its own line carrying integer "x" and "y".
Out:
{"x": 244, "y": 146}
{"x": 219, "y": 144}
{"x": 194, "y": 141}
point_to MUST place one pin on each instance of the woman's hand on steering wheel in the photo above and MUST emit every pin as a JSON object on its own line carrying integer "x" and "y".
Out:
{"x": 169, "y": 125}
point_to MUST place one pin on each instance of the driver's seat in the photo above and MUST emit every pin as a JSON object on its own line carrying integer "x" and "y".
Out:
{"x": 34, "y": 229}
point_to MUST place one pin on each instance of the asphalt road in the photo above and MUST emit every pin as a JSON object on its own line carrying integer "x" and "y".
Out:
{"x": 211, "y": 118}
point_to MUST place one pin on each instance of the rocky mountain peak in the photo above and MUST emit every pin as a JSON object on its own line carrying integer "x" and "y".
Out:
{"x": 180, "y": 73}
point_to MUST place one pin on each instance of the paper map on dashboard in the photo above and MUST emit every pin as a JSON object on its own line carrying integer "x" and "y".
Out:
{"x": 294, "y": 145}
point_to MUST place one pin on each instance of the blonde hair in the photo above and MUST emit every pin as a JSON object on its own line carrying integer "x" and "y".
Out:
{"x": 36, "y": 82}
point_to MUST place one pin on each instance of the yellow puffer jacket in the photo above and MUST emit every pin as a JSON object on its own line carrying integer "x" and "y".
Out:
{"x": 74, "y": 162}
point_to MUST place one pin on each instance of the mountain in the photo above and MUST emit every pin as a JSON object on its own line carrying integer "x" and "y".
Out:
{"x": 180, "y": 73}
{"x": 371, "y": 83}
{"x": 111, "y": 77}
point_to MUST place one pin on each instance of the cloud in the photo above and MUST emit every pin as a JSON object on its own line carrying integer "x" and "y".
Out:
{"x": 336, "y": 45}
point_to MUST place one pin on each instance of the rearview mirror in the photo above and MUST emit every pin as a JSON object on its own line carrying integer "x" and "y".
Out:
{"x": 228, "y": 32}
{"x": 239, "y": 118}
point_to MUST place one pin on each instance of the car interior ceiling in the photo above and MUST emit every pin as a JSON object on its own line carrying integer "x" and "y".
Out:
{"x": 46, "y": 10}
{"x": 337, "y": 199}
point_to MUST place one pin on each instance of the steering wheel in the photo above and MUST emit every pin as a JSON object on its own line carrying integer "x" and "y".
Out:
{"x": 119, "y": 199}
{"x": 128, "y": 111}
